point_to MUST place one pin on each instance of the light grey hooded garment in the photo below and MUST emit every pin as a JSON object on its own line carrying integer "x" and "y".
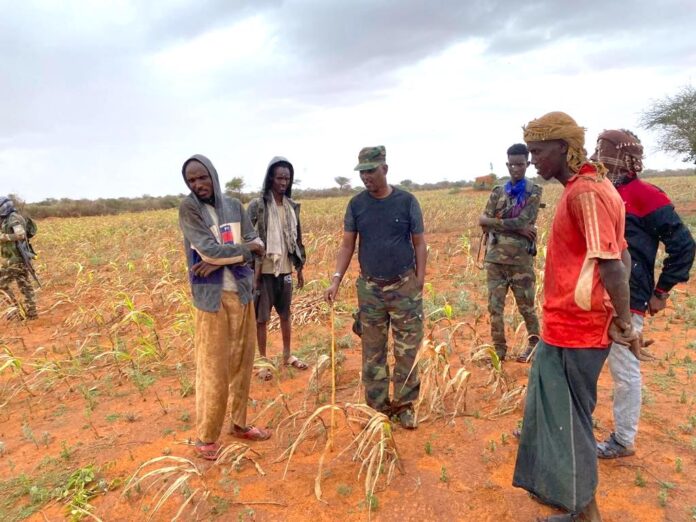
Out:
{"x": 200, "y": 242}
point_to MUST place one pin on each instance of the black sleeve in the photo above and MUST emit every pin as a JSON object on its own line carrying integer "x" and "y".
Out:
{"x": 679, "y": 246}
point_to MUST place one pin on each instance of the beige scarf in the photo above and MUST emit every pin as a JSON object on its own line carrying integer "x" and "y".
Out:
{"x": 277, "y": 236}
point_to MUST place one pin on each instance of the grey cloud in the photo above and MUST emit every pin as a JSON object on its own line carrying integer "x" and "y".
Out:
{"x": 345, "y": 49}
{"x": 76, "y": 79}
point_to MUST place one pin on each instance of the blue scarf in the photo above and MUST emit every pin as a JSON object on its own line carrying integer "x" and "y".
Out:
{"x": 518, "y": 192}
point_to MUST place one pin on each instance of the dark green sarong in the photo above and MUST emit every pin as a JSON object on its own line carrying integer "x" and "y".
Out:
{"x": 557, "y": 456}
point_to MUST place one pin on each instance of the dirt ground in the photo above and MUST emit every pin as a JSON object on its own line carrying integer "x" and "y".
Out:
{"x": 455, "y": 469}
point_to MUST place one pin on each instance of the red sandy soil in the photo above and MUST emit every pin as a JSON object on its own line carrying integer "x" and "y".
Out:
{"x": 466, "y": 476}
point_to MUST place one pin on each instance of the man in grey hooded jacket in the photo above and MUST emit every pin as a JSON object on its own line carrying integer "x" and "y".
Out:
{"x": 220, "y": 244}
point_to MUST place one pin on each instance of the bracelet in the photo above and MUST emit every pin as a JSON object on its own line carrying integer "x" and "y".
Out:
{"x": 661, "y": 295}
{"x": 337, "y": 274}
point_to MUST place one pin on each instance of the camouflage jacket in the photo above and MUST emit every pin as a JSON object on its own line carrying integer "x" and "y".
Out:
{"x": 12, "y": 229}
{"x": 505, "y": 246}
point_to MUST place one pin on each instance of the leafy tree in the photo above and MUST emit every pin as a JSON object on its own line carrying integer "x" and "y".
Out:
{"x": 674, "y": 118}
{"x": 407, "y": 184}
{"x": 234, "y": 186}
{"x": 343, "y": 182}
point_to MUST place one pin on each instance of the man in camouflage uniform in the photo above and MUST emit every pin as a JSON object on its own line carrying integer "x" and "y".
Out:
{"x": 12, "y": 268}
{"x": 511, "y": 234}
{"x": 392, "y": 256}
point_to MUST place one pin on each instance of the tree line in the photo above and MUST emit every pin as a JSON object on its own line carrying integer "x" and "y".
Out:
{"x": 673, "y": 118}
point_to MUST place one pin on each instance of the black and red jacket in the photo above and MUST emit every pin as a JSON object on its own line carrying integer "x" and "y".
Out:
{"x": 651, "y": 219}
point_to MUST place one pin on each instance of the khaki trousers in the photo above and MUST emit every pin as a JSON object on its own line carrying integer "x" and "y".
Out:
{"x": 225, "y": 344}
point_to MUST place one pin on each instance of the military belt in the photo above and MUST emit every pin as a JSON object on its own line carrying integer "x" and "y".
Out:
{"x": 386, "y": 282}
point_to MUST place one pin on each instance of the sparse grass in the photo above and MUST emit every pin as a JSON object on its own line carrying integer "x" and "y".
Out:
{"x": 639, "y": 480}
{"x": 125, "y": 331}
{"x": 444, "y": 476}
{"x": 24, "y": 495}
{"x": 663, "y": 497}
{"x": 344, "y": 490}
{"x": 176, "y": 475}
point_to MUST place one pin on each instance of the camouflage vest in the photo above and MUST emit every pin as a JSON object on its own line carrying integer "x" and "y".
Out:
{"x": 507, "y": 247}
{"x": 8, "y": 249}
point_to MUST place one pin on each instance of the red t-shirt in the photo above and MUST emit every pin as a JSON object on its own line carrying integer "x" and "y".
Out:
{"x": 588, "y": 225}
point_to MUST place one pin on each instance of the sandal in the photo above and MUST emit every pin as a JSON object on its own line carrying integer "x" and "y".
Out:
{"x": 207, "y": 451}
{"x": 251, "y": 433}
{"x": 526, "y": 355}
{"x": 613, "y": 449}
{"x": 265, "y": 374}
{"x": 296, "y": 363}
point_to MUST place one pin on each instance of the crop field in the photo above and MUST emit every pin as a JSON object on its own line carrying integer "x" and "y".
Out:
{"x": 97, "y": 396}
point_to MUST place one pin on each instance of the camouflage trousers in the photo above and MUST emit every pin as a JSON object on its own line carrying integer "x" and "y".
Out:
{"x": 20, "y": 275}
{"x": 400, "y": 306}
{"x": 522, "y": 280}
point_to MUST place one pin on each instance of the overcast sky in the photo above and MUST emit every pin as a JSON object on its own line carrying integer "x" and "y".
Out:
{"x": 107, "y": 98}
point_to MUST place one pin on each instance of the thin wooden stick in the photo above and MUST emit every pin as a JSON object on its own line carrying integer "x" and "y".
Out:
{"x": 333, "y": 376}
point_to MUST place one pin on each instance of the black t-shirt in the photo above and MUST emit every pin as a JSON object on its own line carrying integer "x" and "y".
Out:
{"x": 384, "y": 227}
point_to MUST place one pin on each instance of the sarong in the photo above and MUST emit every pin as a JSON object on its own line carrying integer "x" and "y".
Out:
{"x": 557, "y": 455}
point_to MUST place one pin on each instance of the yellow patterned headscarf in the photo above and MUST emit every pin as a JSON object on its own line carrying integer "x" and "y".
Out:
{"x": 560, "y": 126}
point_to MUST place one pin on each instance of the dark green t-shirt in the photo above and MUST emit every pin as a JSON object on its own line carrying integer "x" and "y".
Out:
{"x": 384, "y": 228}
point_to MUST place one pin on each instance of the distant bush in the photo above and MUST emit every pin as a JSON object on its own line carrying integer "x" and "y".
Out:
{"x": 105, "y": 206}
{"x": 86, "y": 207}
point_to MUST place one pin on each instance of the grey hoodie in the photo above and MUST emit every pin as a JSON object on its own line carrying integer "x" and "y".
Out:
{"x": 200, "y": 242}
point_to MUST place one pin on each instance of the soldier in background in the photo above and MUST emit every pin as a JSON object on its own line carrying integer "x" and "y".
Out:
{"x": 12, "y": 265}
{"x": 392, "y": 256}
{"x": 509, "y": 220}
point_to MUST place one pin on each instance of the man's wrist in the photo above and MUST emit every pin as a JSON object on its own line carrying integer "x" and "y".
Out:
{"x": 661, "y": 294}
{"x": 336, "y": 275}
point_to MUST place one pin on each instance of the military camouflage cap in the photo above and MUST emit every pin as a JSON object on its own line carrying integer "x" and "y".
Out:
{"x": 371, "y": 158}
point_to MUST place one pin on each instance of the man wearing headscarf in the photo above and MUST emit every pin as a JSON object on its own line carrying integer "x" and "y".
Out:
{"x": 220, "y": 245}
{"x": 12, "y": 268}
{"x": 509, "y": 220}
{"x": 586, "y": 306}
{"x": 650, "y": 220}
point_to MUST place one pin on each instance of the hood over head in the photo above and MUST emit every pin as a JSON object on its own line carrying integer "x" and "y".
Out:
{"x": 6, "y": 206}
{"x": 268, "y": 180}
{"x": 217, "y": 192}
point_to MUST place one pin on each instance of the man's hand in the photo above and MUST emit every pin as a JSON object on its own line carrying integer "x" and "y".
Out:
{"x": 645, "y": 355}
{"x": 330, "y": 293}
{"x": 421, "y": 281}
{"x": 256, "y": 248}
{"x": 486, "y": 221}
{"x": 204, "y": 269}
{"x": 656, "y": 305}
{"x": 300, "y": 279}
{"x": 621, "y": 332}
{"x": 529, "y": 232}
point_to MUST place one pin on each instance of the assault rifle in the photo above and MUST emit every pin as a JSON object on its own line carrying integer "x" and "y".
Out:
{"x": 490, "y": 238}
{"x": 28, "y": 255}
